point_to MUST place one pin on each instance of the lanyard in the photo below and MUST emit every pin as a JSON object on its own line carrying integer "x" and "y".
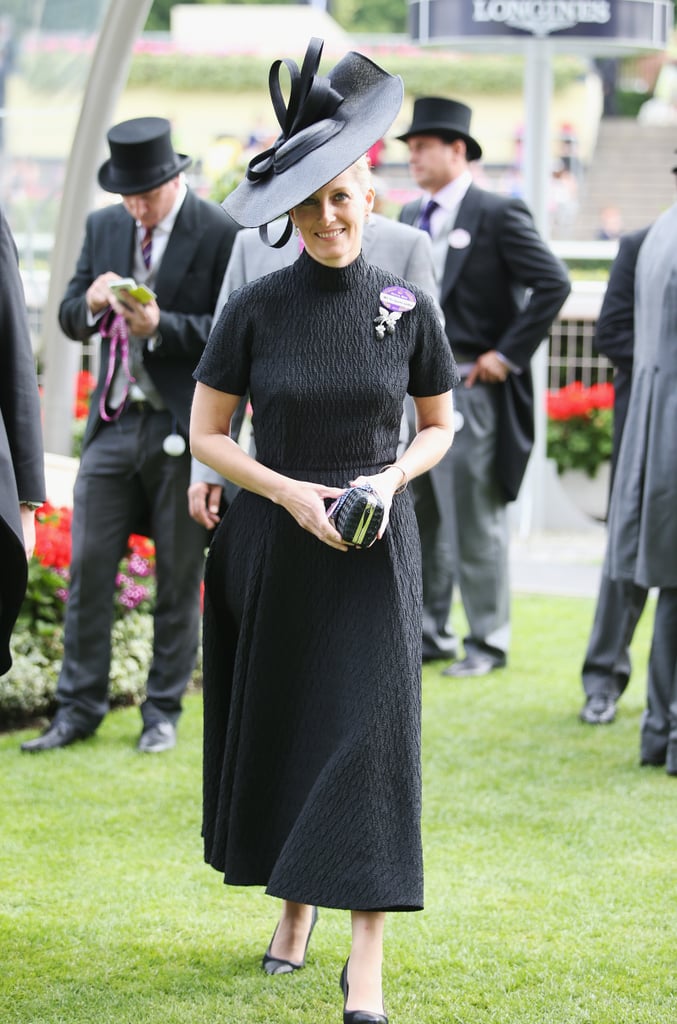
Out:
{"x": 114, "y": 326}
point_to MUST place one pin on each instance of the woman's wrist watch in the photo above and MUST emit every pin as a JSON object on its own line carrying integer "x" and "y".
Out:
{"x": 32, "y": 505}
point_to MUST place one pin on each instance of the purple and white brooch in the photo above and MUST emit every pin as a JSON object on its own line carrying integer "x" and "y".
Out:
{"x": 394, "y": 301}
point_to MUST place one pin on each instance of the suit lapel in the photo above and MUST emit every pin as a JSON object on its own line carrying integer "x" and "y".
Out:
{"x": 120, "y": 243}
{"x": 181, "y": 247}
{"x": 467, "y": 220}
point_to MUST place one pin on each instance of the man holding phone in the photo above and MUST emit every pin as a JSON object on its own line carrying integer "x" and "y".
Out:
{"x": 127, "y": 288}
{"x": 135, "y": 464}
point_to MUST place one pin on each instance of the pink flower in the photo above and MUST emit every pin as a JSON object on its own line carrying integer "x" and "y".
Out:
{"x": 133, "y": 595}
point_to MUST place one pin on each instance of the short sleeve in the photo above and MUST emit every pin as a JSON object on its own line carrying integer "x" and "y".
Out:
{"x": 226, "y": 360}
{"x": 432, "y": 368}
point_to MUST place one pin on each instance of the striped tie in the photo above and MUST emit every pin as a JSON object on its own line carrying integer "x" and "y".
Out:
{"x": 147, "y": 247}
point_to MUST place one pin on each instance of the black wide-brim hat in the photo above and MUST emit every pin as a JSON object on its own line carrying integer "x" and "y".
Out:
{"x": 446, "y": 119}
{"x": 141, "y": 157}
{"x": 329, "y": 123}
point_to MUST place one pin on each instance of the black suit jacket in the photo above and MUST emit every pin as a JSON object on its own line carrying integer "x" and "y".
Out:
{"x": 615, "y": 328}
{"x": 187, "y": 286}
{"x": 22, "y": 474}
{"x": 501, "y": 290}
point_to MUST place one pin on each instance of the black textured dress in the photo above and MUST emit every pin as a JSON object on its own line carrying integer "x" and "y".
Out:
{"x": 312, "y": 656}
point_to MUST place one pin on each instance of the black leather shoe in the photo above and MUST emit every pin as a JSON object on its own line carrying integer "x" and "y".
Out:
{"x": 652, "y": 761}
{"x": 599, "y": 709}
{"x": 274, "y": 965}
{"x": 357, "y": 1016}
{"x": 439, "y": 649}
{"x": 61, "y": 733}
{"x": 475, "y": 664}
{"x": 156, "y": 738}
{"x": 438, "y": 645}
{"x": 430, "y": 655}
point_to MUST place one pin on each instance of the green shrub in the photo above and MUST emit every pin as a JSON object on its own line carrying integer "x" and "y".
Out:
{"x": 28, "y": 690}
{"x": 628, "y": 102}
{"x": 458, "y": 74}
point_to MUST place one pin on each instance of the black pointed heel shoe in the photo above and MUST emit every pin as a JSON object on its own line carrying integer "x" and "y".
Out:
{"x": 357, "y": 1016}
{"x": 273, "y": 965}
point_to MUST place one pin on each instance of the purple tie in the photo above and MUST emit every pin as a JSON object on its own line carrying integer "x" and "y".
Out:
{"x": 147, "y": 247}
{"x": 428, "y": 210}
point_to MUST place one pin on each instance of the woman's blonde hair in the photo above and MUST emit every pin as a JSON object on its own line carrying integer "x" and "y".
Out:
{"x": 362, "y": 171}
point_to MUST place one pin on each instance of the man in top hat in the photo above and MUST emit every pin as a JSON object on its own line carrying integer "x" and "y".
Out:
{"x": 135, "y": 464}
{"x": 500, "y": 287}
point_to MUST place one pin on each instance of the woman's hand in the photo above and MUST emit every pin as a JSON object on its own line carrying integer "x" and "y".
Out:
{"x": 306, "y": 503}
{"x": 385, "y": 484}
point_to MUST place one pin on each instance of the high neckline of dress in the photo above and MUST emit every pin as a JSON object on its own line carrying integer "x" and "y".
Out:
{"x": 330, "y": 279}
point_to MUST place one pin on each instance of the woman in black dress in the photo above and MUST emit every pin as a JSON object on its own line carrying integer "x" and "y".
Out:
{"x": 312, "y": 649}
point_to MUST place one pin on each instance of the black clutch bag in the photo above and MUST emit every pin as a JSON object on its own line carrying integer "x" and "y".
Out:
{"x": 357, "y": 515}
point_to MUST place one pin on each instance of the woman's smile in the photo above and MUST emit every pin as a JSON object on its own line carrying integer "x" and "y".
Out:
{"x": 341, "y": 207}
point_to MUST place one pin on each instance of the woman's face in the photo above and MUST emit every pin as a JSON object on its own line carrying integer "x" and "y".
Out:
{"x": 331, "y": 220}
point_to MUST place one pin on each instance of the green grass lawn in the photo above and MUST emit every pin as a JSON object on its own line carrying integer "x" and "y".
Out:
{"x": 550, "y": 869}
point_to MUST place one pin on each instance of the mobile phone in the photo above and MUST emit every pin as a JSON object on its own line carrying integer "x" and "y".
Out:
{"x": 141, "y": 292}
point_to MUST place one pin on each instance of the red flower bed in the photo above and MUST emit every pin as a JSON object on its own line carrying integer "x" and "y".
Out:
{"x": 49, "y": 569}
{"x": 575, "y": 400}
{"x": 85, "y": 385}
{"x": 53, "y": 536}
{"x": 580, "y": 426}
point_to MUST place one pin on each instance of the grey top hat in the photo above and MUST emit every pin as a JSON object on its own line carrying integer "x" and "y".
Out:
{"x": 447, "y": 119}
{"x": 141, "y": 156}
{"x": 328, "y": 123}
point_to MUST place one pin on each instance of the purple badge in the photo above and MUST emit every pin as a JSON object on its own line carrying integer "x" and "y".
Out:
{"x": 396, "y": 299}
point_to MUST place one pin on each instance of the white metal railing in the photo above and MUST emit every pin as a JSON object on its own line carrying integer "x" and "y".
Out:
{"x": 571, "y": 354}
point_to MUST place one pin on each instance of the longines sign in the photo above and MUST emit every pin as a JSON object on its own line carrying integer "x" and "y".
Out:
{"x": 643, "y": 23}
{"x": 542, "y": 18}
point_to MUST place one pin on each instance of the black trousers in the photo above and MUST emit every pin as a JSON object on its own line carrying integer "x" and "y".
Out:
{"x": 658, "y": 731}
{"x": 463, "y": 523}
{"x": 126, "y": 483}
{"x": 607, "y": 666}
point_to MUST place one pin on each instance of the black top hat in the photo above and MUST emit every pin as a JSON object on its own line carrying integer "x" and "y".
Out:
{"x": 447, "y": 119}
{"x": 141, "y": 157}
{"x": 328, "y": 124}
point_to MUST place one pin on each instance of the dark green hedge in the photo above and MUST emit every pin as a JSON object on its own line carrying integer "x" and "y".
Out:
{"x": 462, "y": 75}
{"x": 420, "y": 73}
{"x": 628, "y": 102}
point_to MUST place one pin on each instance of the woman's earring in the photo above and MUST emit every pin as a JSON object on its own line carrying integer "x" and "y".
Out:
{"x": 296, "y": 230}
